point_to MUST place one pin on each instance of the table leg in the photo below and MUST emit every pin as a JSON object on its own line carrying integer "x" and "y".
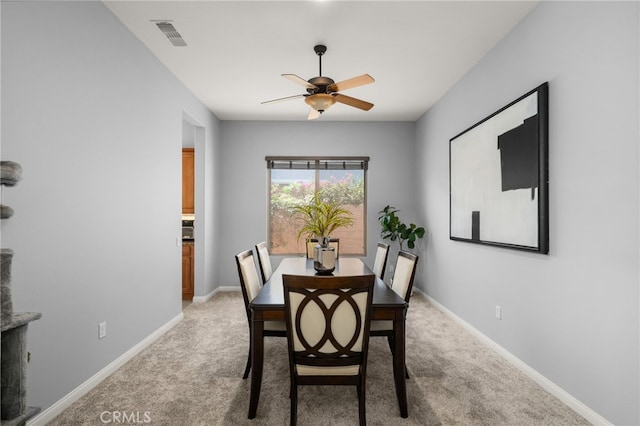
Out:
{"x": 399, "y": 365}
{"x": 257, "y": 355}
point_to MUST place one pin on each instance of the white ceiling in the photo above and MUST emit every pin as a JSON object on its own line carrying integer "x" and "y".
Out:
{"x": 237, "y": 50}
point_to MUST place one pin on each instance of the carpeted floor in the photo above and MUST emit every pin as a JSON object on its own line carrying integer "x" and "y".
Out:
{"x": 193, "y": 376}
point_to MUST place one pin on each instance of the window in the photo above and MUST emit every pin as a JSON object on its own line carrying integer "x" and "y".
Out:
{"x": 295, "y": 180}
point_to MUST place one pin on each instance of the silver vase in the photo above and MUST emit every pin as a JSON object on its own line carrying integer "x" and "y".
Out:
{"x": 324, "y": 259}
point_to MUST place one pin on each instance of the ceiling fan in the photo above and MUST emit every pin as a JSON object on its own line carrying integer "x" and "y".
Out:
{"x": 322, "y": 92}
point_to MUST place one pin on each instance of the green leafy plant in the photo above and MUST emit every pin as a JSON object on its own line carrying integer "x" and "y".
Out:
{"x": 392, "y": 228}
{"x": 321, "y": 217}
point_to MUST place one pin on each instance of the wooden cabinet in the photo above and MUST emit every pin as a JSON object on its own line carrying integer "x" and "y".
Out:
{"x": 188, "y": 207}
{"x": 188, "y": 181}
{"x": 187, "y": 271}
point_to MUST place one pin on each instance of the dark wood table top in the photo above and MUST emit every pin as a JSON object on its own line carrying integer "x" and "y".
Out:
{"x": 271, "y": 296}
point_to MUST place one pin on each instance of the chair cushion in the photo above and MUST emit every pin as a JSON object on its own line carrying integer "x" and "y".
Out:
{"x": 379, "y": 261}
{"x": 250, "y": 276}
{"x": 381, "y": 325}
{"x": 265, "y": 262}
{"x": 402, "y": 276}
{"x": 311, "y": 370}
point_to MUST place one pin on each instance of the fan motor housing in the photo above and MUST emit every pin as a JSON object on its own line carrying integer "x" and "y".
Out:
{"x": 320, "y": 49}
{"x": 321, "y": 83}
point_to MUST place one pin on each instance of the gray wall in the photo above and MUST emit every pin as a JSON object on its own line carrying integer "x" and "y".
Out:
{"x": 96, "y": 122}
{"x": 571, "y": 315}
{"x": 244, "y": 174}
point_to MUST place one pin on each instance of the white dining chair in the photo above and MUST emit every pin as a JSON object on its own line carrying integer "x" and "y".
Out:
{"x": 328, "y": 321}
{"x": 250, "y": 284}
{"x": 402, "y": 284}
{"x": 264, "y": 261}
{"x": 312, "y": 242}
{"x": 380, "y": 262}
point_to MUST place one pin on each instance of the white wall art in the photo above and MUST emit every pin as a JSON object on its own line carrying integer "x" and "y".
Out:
{"x": 498, "y": 177}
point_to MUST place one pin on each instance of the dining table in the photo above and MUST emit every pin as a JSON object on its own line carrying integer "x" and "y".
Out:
{"x": 269, "y": 305}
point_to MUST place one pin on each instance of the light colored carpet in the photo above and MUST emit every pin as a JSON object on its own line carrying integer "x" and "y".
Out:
{"x": 193, "y": 376}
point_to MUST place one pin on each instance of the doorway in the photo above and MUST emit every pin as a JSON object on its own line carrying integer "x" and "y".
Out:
{"x": 192, "y": 235}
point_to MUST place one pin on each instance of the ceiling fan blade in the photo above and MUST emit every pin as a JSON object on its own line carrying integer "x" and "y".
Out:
{"x": 299, "y": 80}
{"x": 313, "y": 114}
{"x": 350, "y": 83}
{"x": 283, "y": 99}
{"x": 348, "y": 100}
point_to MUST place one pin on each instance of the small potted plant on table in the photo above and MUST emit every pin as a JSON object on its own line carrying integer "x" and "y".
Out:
{"x": 319, "y": 219}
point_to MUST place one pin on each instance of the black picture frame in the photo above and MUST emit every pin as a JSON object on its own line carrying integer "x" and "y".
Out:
{"x": 498, "y": 177}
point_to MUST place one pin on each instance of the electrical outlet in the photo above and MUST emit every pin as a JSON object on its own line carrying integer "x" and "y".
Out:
{"x": 102, "y": 330}
{"x": 498, "y": 312}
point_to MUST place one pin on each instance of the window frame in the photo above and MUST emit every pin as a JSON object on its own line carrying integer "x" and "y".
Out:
{"x": 318, "y": 163}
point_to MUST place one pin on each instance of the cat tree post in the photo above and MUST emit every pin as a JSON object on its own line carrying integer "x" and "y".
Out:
{"x": 14, "y": 357}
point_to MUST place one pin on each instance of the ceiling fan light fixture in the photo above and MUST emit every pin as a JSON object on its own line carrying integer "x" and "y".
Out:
{"x": 322, "y": 92}
{"x": 320, "y": 101}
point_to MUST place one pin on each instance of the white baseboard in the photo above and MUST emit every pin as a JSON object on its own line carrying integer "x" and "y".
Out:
{"x": 50, "y": 413}
{"x": 207, "y": 297}
{"x": 577, "y": 406}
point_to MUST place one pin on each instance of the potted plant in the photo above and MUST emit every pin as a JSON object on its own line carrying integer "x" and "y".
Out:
{"x": 395, "y": 230}
{"x": 320, "y": 218}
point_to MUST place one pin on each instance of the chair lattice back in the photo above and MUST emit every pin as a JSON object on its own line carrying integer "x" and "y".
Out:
{"x": 328, "y": 319}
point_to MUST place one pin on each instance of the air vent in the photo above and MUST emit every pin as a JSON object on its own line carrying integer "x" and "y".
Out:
{"x": 169, "y": 30}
